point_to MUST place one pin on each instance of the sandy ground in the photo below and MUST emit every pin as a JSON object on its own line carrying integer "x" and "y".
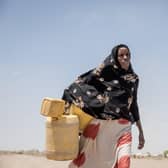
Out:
{"x": 28, "y": 161}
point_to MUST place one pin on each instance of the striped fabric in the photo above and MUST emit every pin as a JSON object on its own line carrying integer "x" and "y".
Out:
{"x": 105, "y": 144}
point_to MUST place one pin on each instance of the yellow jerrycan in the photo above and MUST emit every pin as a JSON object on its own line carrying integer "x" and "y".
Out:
{"x": 62, "y": 138}
{"x": 84, "y": 118}
{"x": 52, "y": 107}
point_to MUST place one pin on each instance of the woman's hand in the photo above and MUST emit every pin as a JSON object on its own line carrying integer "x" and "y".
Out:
{"x": 141, "y": 135}
{"x": 141, "y": 140}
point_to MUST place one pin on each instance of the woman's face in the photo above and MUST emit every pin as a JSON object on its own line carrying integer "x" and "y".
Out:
{"x": 124, "y": 58}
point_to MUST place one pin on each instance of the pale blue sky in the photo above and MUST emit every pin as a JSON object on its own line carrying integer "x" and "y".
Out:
{"x": 45, "y": 45}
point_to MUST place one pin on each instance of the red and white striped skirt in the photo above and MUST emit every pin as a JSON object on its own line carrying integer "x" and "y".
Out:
{"x": 105, "y": 144}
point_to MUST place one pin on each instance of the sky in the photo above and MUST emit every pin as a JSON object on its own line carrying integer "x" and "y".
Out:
{"x": 45, "y": 45}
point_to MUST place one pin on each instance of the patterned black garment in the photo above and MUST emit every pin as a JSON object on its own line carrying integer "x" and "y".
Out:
{"x": 106, "y": 92}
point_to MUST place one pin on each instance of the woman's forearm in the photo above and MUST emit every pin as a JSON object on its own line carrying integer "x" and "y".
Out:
{"x": 139, "y": 125}
{"x": 141, "y": 135}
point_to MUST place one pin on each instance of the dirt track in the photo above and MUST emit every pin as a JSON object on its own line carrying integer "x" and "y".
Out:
{"x": 28, "y": 161}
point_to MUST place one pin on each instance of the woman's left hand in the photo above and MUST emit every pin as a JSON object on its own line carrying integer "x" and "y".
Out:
{"x": 141, "y": 140}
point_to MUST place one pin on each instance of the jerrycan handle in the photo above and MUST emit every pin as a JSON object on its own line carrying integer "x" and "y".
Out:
{"x": 67, "y": 109}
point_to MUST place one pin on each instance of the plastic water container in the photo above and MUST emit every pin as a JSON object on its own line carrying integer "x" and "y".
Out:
{"x": 52, "y": 107}
{"x": 84, "y": 118}
{"x": 62, "y": 140}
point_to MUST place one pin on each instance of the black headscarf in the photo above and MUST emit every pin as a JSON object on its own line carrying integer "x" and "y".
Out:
{"x": 113, "y": 58}
{"x": 107, "y": 91}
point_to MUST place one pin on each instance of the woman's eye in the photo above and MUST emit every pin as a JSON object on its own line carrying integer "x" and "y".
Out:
{"x": 121, "y": 55}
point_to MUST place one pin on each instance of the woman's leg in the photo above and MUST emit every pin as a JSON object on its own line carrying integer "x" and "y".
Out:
{"x": 124, "y": 151}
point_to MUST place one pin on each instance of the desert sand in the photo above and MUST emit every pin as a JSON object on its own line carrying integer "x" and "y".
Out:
{"x": 30, "y": 161}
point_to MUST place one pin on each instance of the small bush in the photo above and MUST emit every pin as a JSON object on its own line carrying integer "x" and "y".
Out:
{"x": 165, "y": 153}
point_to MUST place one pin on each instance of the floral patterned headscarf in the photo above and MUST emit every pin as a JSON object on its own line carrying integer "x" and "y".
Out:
{"x": 106, "y": 91}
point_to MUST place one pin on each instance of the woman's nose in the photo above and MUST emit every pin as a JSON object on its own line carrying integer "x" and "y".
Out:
{"x": 125, "y": 57}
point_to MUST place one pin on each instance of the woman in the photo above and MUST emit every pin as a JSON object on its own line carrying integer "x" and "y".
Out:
{"x": 109, "y": 94}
